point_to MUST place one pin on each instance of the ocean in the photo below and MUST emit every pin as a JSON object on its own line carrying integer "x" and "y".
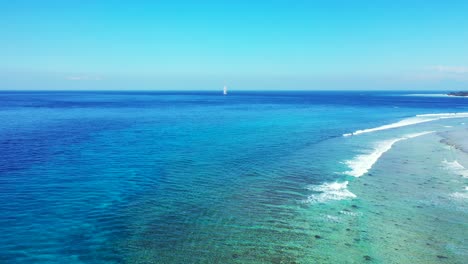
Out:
{"x": 250, "y": 177}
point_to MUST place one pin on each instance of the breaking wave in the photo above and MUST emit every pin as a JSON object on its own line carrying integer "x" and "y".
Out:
{"x": 362, "y": 163}
{"x": 456, "y": 168}
{"x": 330, "y": 192}
{"x": 410, "y": 121}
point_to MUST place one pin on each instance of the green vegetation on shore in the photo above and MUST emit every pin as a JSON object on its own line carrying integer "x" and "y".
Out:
{"x": 458, "y": 94}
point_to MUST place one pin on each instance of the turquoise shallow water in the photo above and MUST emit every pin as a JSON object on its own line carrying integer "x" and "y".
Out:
{"x": 120, "y": 177}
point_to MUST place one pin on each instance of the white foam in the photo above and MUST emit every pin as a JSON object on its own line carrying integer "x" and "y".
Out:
{"x": 330, "y": 192}
{"x": 350, "y": 213}
{"x": 331, "y": 218}
{"x": 456, "y": 168}
{"x": 429, "y": 95}
{"x": 410, "y": 121}
{"x": 361, "y": 164}
{"x": 459, "y": 195}
{"x": 445, "y": 115}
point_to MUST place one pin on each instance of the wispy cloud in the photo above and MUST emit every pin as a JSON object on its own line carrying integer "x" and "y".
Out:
{"x": 441, "y": 73}
{"x": 450, "y": 69}
{"x": 83, "y": 78}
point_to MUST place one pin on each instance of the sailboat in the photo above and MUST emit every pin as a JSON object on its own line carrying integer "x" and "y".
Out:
{"x": 225, "y": 90}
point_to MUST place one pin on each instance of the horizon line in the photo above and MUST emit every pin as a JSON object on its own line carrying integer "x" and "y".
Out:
{"x": 217, "y": 90}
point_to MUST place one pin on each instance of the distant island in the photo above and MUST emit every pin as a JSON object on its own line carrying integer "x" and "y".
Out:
{"x": 458, "y": 94}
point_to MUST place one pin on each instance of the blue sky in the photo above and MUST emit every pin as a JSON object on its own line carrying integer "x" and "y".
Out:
{"x": 173, "y": 45}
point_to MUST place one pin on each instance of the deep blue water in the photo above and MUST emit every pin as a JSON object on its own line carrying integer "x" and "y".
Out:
{"x": 173, "y": 177}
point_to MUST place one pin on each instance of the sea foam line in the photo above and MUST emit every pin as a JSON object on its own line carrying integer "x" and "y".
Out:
{"x": 410, "y": 121}
{"x": 429, "y": 95}
{"x": 362, "y": 163}
{"x": 329, "y": 192}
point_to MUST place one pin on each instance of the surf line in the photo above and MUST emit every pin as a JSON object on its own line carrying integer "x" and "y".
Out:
{"x": 359, "y": 165}
{"x": 362, "y": 163}
{"x": 329, "y": 192}
{"x": 410, "y": 121}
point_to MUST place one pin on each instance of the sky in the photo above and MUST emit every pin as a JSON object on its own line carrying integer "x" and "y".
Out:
{"x": 246, "y": 45}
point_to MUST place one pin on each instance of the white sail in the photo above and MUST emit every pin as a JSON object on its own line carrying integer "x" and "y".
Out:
{"x": 225, "y": 90}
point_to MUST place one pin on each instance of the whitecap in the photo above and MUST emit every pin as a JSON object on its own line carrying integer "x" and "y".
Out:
{"x": 350, "y": 213}
{"x": 456, "y": 168}
{"x": 330, "y": 192}
{"x": 410, "y": 121}
{"x": 362, "y": 163}
{"x": 331, "y": 218}
{"x": 459, "y": 195}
